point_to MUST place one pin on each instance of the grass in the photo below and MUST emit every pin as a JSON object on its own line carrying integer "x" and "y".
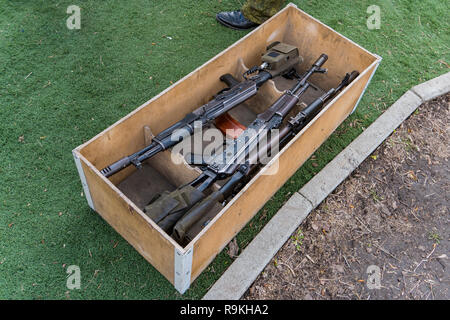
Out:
{"x": 433, "y": 235}
{"x": 297, "y": 239}
{"x": 60, "y": 87}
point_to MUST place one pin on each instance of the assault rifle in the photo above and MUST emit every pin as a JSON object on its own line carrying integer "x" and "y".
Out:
{"x": 197, "y": 217}
{"x": 279, "y": 60}
{"x": 170, "y": 207}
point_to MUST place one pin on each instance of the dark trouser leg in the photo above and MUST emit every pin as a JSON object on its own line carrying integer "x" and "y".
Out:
{"x": 259, "y": 11}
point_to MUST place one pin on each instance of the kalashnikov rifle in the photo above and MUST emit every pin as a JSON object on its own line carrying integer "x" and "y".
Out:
{"x": 279, "y": 60}
{"x": 196, "y": 218}
{"x": 170, "y": 207}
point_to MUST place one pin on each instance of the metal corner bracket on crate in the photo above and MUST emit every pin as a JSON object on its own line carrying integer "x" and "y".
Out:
{"x": 86, "y": 191}
{"x": 183, "y": 268}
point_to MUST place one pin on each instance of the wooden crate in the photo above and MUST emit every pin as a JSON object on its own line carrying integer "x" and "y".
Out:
{"x": 122, "y": 208}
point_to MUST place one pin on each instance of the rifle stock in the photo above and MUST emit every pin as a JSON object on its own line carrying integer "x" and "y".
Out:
{"x": 196, "y": 213}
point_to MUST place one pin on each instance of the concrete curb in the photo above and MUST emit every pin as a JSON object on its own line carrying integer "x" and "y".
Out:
{"x": 252, "y": 261}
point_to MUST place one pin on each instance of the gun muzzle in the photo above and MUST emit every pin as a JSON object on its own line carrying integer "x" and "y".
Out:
{"x": 321, "y": 60}
{"x": 353, "y": 76}
{"x": 116, "y": 167}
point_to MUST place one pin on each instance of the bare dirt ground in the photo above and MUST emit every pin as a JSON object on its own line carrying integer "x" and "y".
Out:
{"x": 390, "y": 215}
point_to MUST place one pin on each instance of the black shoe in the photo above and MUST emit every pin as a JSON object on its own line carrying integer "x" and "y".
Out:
{"x": 234, "y": 20}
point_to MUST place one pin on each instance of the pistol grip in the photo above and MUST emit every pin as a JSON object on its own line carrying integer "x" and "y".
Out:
{"x": 229, "y": 80}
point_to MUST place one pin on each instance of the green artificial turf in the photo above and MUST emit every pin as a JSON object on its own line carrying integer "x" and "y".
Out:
{"x": 60, "y": 87}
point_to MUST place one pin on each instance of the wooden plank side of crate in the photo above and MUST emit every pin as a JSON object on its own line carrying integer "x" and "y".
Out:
{"x": 262, "y": 187}
{"x": 130, "y": 223}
